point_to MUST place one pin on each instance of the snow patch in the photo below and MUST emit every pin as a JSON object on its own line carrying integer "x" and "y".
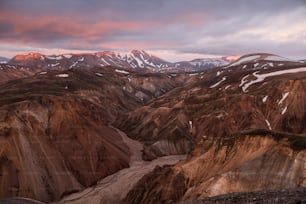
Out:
{"x": 264, "y": 99}
{"x": 190, "y": 124}
{"x": 219, "y": 82}
{"x": 262, "y": 77}
{"x": 42, "y": 73}
{"x": 121, "y": 71}
{"x": 139, "y": 62}
{"x": 285, "y": 95}
{"x": 104, "y": 61}
{"x": 99, "y": 74}
{"x": 218, "y": 73}
{"x": 74, "y": 64}
{"x": 245, "y": 59}
{"x": 150, "y": 63}
{"x": 54, "y": 57}
{"x": 269, "y": 125}
{"x": 62, "y": 75}
{"x": 67, "y": 56}
{"x": 243, "y": 80}
{"x": 284, "y": 110}
{"x": 54, "y": 65}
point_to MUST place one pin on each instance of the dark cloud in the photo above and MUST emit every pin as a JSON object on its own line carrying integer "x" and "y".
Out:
{"x": 194, "y": 26}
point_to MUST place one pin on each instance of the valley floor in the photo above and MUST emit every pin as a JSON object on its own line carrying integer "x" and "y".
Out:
{"x": 115, "y": 187}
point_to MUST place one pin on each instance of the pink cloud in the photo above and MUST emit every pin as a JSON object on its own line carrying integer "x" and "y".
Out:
{"x": 28, "y": 29}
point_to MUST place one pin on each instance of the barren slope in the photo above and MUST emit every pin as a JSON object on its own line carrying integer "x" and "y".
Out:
{"x": 54, "y": 128}
{"x": 245, "y": 125}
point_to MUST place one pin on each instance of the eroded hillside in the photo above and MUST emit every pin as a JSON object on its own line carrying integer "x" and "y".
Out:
{"x": 245, "y": 124}
{"x": 183, "y": 136}
{"x": 55, "y": 131}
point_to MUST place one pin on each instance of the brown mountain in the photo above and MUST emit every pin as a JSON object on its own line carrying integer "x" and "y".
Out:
{"x": 135, "y": 60}
{"x": 55, "y": 132}
{"x": 246, "y": 122}
{"x": 184, "y": 136}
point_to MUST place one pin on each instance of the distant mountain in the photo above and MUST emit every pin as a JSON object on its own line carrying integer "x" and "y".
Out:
{"x": 136, "y": 59}
{"x": 262, "y": 61}
{"x": 3, "y": 60}
{"x": 200, "y": 64}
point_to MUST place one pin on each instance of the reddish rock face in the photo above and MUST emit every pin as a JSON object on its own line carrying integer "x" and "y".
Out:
{"x": 242, "y": 126}
{"x": 239, "y": 164}
{"x": 219, "y": 103}
{"x": 56, "y": 147}
{"x": 54, "y": 129}
{"x": 248, "y": 126}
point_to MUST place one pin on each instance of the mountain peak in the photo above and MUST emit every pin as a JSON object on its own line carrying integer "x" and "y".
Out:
{"x": 133, "y": 59}
{"x": 138, "y": 51}
{"x": 256, "y": 57}
{"x": 26, "y": 56}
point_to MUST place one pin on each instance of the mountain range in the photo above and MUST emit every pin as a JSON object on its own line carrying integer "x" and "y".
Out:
{"x": 122, "y": 134}
{"x": 136, "y": 59}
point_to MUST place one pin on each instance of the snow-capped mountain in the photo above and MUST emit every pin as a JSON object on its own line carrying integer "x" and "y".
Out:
{"x": 133, "y": 59}
{"x": 3, "y": 60}
{"x": 136, "y": 59}
{"x": 200, "y": 64}
{"x": 257, "y": 61}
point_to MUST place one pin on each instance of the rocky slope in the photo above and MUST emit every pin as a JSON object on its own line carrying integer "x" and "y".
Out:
{"x": 54, "y": 128}
{"x": 134, "y": 60}
{"x": 290, "y": 196}
{"x": 11, "y": 72}
{"x": 220, "y": 102}
{"x": 243, "y": 163}
{"x": 243, "y": 123}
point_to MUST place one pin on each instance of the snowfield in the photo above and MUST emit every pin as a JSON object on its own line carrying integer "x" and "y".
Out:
{"x": 261, "y": 77}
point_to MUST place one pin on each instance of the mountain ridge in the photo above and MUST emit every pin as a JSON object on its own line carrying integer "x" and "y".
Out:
{"x": 3, "y": 60}
{"x": 135, "y": 59}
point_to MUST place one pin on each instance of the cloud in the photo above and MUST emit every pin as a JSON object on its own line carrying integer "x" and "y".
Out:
{"x": 16, "y": 27}
{"x": 197, "y": 26}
